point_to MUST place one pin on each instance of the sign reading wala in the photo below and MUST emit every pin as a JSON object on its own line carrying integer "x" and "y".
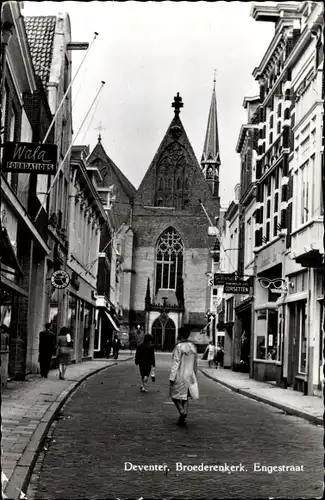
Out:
{"x": 30, "y": 157}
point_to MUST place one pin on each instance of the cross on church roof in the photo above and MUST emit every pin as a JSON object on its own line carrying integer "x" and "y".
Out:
{"x": 177, "y": 104}
{"x": 214, "y": 79}
{"x": 100, "y": 128}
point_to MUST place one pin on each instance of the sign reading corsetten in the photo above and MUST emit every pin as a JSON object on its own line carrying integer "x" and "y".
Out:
{"x": 236, "y": 287}
{"x": 30, "y": 157}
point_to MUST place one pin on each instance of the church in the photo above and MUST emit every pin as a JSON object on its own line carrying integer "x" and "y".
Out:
{"x": 164, "y": 246}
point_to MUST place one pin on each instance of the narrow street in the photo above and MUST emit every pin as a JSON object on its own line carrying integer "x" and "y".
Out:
{"x": 108, "y": 422}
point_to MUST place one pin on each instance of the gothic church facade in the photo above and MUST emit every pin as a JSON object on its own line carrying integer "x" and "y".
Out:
{"x": 166, "y": 247}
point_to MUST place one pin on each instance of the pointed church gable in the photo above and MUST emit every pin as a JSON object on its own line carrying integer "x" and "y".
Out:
{"x": 123, "y": 190}
{"x": 108, "y": 169}
{"x": 174, "y": 178}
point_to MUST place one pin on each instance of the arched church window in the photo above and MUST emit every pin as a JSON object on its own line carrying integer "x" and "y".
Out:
{"x": 170, "y": 184}
{"x": 160, "y": 183}
{"x": 187, "y": 184}
{"x": 169, "y": 260}
{"x": 178, "y": 184}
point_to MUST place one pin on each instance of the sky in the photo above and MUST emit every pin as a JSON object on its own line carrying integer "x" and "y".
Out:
{"x": 146, "y": 52}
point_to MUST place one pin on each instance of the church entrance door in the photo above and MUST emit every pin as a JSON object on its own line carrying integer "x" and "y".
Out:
{"x": 157, "y": 331}
{"x": 169, "y": 337}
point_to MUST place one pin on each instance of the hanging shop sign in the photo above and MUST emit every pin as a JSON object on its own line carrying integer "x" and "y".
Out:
{"x": 237, "y": 286}
{"x": 60, "y": 279}
{"x": 30, "y": 157}
{"x": 221, "y": 278}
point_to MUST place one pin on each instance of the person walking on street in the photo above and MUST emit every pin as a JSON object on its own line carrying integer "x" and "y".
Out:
{"x": 64, "y": 351}
{"x": 182, "y": 379}
{"x": 108, "y": 347}
{"x": 46, "y": 349}
{"x": 211, "y": 351}
{"x": 219, "y": 356}
{"x": 116, "y": 344}
{"x": 145, "y": 359}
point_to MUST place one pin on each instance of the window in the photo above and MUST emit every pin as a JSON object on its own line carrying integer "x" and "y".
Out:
{"x": 267, "y": 338}
{"x": 304, "y": 208}
{"x": 178, "y": 184}
{"x": 230, "y": 309}
{"x": 275, "y": 226}
{"x": 169, "y": 260}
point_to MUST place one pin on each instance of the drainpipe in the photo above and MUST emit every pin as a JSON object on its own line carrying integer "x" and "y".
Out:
{"x": 308, "y": 382}
{"x": 253, "y": 317}
{"x": 307, "y": 327}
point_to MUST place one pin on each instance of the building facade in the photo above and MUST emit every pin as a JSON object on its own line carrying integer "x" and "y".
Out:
{"x": 170, "y": 254}
{"x": 288, "y": 237}
{"x": 244, "y": 304}
{"x": 229, "y": 235}
{"x": 25, "y": 118}
{"x": 303, "y": 362}
{"x": 87, "y": 219}
{"x": 115, "y": 258}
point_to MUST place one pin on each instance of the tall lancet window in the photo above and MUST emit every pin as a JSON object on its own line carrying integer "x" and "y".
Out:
{"x": 169, "y": 260}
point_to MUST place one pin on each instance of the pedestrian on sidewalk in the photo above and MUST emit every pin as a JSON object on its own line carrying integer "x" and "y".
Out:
{"x": 116, "y": 344}
{"x": 211, "y": 352}
{"x": 219, "y": 356}
{"x": 145, "y": 359}
{"x": 108, "y": 347}
{"x": 182, "y": 379}
{"x": 46, "y": 349}
{"x": 132, "y": 343}
{"x": 64, "y": 351}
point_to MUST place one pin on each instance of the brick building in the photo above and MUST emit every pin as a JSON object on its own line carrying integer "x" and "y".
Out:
{"x": 171, "y": 246}
{"x": 161, "y": 240}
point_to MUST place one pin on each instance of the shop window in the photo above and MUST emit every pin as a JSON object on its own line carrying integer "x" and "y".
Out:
{"x": 88, "y": 319}
{"x": 54, "y": 304}
{"x": 267, "y": 342}
{"x": 72, "y": 315}
{"x": 301, "y": 324}
{"x": 6, "y": 308}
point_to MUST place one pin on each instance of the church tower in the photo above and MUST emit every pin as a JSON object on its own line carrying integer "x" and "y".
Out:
{"x": 210, "y": 162}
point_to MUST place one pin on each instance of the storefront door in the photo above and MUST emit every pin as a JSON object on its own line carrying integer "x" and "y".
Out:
{"x": 297, "y": 358}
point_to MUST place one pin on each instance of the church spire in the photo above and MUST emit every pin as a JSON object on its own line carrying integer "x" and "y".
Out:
{"x": 210, "y": 161}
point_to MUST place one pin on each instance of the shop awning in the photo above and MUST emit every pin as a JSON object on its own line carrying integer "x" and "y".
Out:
{"x": 112, "y": 322}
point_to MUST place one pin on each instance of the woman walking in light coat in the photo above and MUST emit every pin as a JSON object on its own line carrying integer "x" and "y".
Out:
{"x": 182, "y": 378}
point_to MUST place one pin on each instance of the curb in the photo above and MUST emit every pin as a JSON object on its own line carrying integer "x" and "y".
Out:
{"x": 286, "y": 409}
{"x": 22, "y": 473}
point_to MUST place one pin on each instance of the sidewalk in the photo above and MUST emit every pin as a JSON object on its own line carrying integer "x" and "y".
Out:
{"x": 28, "y": 409}
{"x": 295, "y": 403}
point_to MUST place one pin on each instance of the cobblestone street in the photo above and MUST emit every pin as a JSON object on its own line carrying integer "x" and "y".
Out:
{"x": 108, "y": 422}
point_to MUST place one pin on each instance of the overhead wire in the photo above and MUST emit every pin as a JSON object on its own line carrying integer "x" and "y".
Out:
{"x": 67, "y": 153}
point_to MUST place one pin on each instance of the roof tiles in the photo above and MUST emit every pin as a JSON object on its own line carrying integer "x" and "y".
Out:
{"x": 40, "y": 33}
